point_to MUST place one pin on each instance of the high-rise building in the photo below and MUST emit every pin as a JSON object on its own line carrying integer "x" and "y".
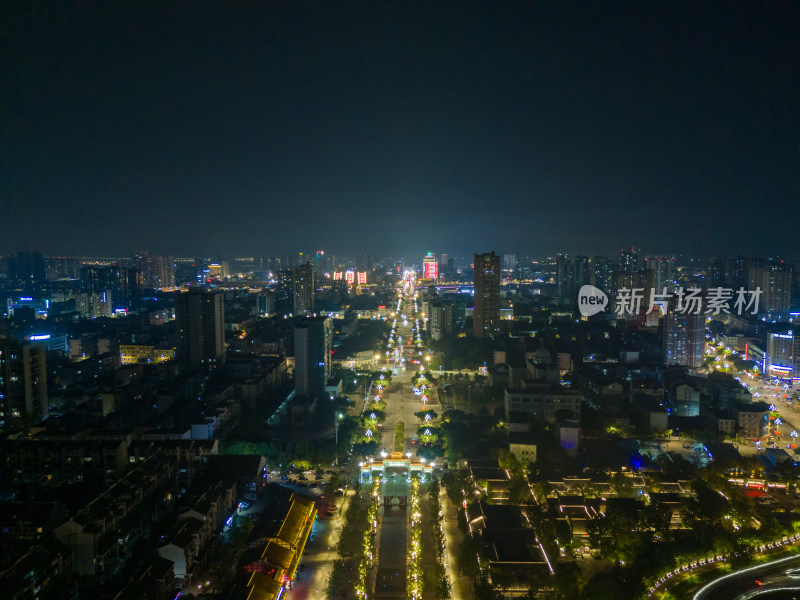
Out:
{"x": 28, "y": 269}
{"x": 778, "y": 294}
{"x": 200, "y": 329}
{"x": 583, "y": 272}
{"x": 91, "y": 304}
{"x": 261, "y": 267}
{"x": 509, "y": 261}
{"x": 486, "y": 315}
{"x": 628, "y": 260}
{"x": 116, "y": 285}
{"x": 320, "y": 264}
{"x": 164, "y": 272}
{"x": 287, "y": 261}
{"x": 737, "y": 273}
{"x": 186, "y": 271}
{"x": 91, "y": 277}
{"x": 565, "y": 278}
{"x": 783, "y": 355}
{"x": 602, "y": 273}
{"x": 284, "y": 295}
{"x": 23, "y": 385}
{"x": 58, "y": 267}
{"x": 303, "y": 286}
{"x": 444, "y": 267}
{"x": 440, "y": 319}
{"x": 683, "y": 339}
{"x": 265, "y": 302}
{"x": 663, "y": 272}
{"x": 313, "y": 339}
{"x": 774, "y": 278}
{"x": 430, "y": 268}
{"x": 716, "y": 275}
{"x": 157, "y": 272}
{"x": 244, "y": 266}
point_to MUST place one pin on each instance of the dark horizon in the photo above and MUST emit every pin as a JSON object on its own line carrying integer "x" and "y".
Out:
{"x": 454, "y": 127}
{"x": 411, "y": 256}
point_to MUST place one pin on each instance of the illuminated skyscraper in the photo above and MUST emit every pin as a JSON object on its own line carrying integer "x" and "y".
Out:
{"x": 684, "y": 339}
{"x": 628, "y": 260}
{"x": 779, "y": 287}
{"x": 320, "y": 264}
{"x": 602, "y": 273}
{"x": 486, "y": 315}
{"x": 430, "y": 268}
{"x": 774, "y": 278}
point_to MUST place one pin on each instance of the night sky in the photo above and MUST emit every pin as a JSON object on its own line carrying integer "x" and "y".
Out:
{"x": 239, "y": 128}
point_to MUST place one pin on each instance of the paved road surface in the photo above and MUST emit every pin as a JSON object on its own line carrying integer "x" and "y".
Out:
{"x": 741, "y": 585}
{"x": 320, "y": 552}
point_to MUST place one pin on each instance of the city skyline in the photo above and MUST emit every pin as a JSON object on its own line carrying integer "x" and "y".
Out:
{"x": 414, "y": 257}
{"x": 453, "y": 300}
{"x": 674, "y": 126}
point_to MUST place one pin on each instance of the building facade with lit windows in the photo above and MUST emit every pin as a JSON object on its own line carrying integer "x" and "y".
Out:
{"x": 303, "y": 286}
{"x": 486, "y": 314}
{"x": 683, "y": 340}
{"x": 783, "y": 355}
{"x": 774, "y": 279}
{"x": 441, "y": 319}
{"x": 430, "y": 267}
{"x": 131, "y": 354}
{"x": 23, "y": 385}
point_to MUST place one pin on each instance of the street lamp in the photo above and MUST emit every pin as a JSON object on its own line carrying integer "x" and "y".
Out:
{"x": 336, "y": 419}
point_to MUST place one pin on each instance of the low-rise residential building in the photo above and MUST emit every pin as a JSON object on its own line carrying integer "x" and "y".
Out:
{"x": 544, "y": 401}
{"x": 685, "y": 401}
{"x": 95, "y": 535}
{"x": 753, "y": 419}
{"x": 523, "y": 446}
{"x": 515, "y": 556}
{"x": 131, "y": 354}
